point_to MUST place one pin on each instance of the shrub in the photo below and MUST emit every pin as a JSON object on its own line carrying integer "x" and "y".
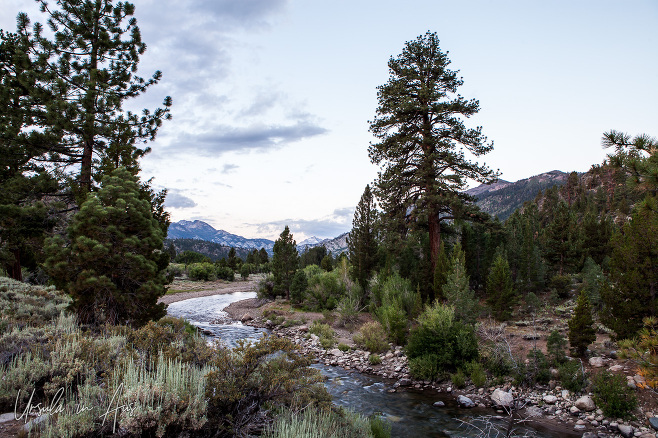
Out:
{"x": 458, "y": 379}
{"x": 343, "y": 347}
{"x": 374, "y": 359}
{"x": 324, "y": 291}
{"x": 320, "y": 423}
{"x": 225, "y": 273}
{"x": 324, "y": 332}
{"x": 349, "y": 307}
{"x": 612, "y": 395}
{"x": 379, "y": 427}
{"x": 476, "y": 373}
{"x": 372, "y": 337}
{"x": 562, "y": 285}
{"x": 555, "y": 345}
{"x": 425, "y": 367}
{"x": 245, "y": 270}
{"x": 535, "y": 371}
{"x": 298, "y": 287}
{"x": 202, "y": 272}
{"x": 266, "y": 287}
{"x": 581, "y": 326}
{"x": 573, "y": 376}
{"x": 449, "y": 343}
{"x": 394, "y": 321}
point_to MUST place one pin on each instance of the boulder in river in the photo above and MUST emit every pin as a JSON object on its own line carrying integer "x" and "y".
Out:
{"x": 502, "y": 398}
{"x": 465, "y": 402}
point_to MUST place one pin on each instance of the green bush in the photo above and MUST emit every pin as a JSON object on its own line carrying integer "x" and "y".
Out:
{"x": 325, "y": 423}
{"x": 562, "y": 285}
{"x": 458, "y": 379}
{"x": 324, "y": 332}
{"x": 343, "y": 347}
{"x": 535, "y": 371}
{"x": 225, "y": 273}
{"x": 298, "y": 287}
{"x": 555, "y": 346}
{"x": 266, "y": 287}
{"x": 372, "y": 337}
{"x": 324, "y": 291}
{"x": 374, "y": 359}
{"x": 380, "y": 428}
{"x": 613, "y": 396}
{"x": 449, "y": 343}
{"x": 425, "y": 367}
{"x": 202, "y": 272}
{"x": 476, "y": 373}
{"x": 572, "y": 376}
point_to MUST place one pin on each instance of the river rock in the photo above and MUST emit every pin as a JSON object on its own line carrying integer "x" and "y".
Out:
{"x": 336, "y": 352}
{"x": 465, "y": 402}
{"x": 654, "y": 422}
{"x": 246, "y": 317}
{"x": 533, "y": 411}
{"x": 626, "y": 431}
{"x": 9, "y": 416}
{"x": 439, "y": 404}
{"x": 585, "y": 403}
{"x": 574, "y": 410}
{"x": 596, "y": 362}
{"x": 36, "y": 424}
{"x": 502, "y": 398}
{"x": 616, "y": 368}
{"x": 405, "y": 382}
{"x": 550, "y": 399}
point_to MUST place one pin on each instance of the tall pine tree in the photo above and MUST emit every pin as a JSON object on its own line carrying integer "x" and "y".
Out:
{"x": 581, "y": 326}
{"x": 361, "y": 241}
{"x": 284, "y": 263}
{"x": 422, "y": 140}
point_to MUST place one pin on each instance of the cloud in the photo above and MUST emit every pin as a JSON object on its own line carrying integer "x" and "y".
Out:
{"x": 251, "y": 138}
{"x": 333, "y": 225}
{"x": 263, "y": 102}
{"x": 228, "y": 168}
{"x": 176, "y": 199}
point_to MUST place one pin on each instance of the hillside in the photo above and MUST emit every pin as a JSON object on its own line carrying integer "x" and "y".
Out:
{"x": 503, "y": 197}
{"x": 200, "y": 230}
{"x": 211, "y": 249}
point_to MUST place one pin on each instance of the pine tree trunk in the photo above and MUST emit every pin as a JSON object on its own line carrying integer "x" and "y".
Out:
{"x": 14, "y": 270}
{"x": 435, "y": 239}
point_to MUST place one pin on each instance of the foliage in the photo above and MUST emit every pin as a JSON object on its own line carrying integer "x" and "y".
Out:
{"x": 253, "y": 378}
{"x": 92, "y": 62}
{"x": 593, "y": 279}
{"x": 457, "y": 291}
{"x": 284, "y": 263}
{"x": 324, "y": 332}
{"x": 349, "y": 306}
{"x": 458, "y": 379}
{"x": 421, "y": 143}
{"x": 321, "y": 423}
{"x": 113, "y": 265}
{"x": 476, "y": 373}
{"x": 361, "y": 241}
{"x": 536, "y": 370}
{"x": 441, "y": 272}
{"x": 612, "y": 395}
{"x": 581, "y": 326}
{"x": 327, "y": 263}
{"x": 298, "y": 287}
{"x": 631, "y": 296}
{"x": 372, "y": 337}
{"x": 225, "y": 273}
{"x": 202, "y": 271}
{"x": 500, "y": 289}
{"x": 555, "y": 345}
{"x": 313, "y": 256}
{"x": 395, "y": 303}
{"x": 374, "y": 359}
{"x": 266, "y": 287}
{"x": 440, "y": 343}
{"x": 562, "y": 285}
{"x": 644, "y": 351}
{"x": 573, "y": 376}
{"x": 188, "y": 257}
{"x": 324, "y": 291}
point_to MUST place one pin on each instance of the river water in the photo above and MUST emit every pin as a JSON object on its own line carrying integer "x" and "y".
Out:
{"x": 411, "y": 413}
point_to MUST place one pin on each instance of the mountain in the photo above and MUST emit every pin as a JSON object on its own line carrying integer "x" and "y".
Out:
{"x": 335, "y": 246}
{"x": 211, "y": 249}
{"x": 503, "y": 197}
{"x": 200, "y": 230}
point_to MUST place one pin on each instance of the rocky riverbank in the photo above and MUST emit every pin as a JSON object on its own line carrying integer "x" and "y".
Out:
{"x": 552, "y": 407}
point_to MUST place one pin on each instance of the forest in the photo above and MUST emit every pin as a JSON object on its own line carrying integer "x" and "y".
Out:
{"x": 82, "y": 250}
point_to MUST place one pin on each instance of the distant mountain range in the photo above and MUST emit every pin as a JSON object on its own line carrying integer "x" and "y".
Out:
{"x": 498, "y": 199}
{"x": 201, "y": 231}
{"x": 503, "y": 197}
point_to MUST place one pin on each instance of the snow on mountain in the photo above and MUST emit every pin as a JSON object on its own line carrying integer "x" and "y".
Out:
{"x": 203, "y": 231}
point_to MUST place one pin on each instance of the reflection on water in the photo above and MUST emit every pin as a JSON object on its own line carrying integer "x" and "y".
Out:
{"x": 411, "y": 413}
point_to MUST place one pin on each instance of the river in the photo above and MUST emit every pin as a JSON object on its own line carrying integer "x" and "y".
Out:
{"x": 410, "y": 412}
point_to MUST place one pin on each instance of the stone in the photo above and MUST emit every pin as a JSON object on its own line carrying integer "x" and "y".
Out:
{"x": 502, "y": 398}
{"x": 585, "y": 403}
{"x": 626, "y": 431}
{"x": 439, "y": 404}
{"x": 36, "y": 424}
{"x": 533, "y": 411}
{"x": 653, "y": 421}
{"x": 565, "y": 394}
{"x": 596, "y": 362}
{"x": 405, "y": 382}
{"x": 574, "y": 410}
{"x": 639, "y": 380}
{"x": 579, "y": 427}
{"x": 336, "y": 352}
{"x": 465, "y": 402}
{"x": 246, "y": 317}
{"x": 590, "y": 435}
{"x": 616, "y": 368}
{"x": 550, "y": 399}
{"x": 9, "y": 416}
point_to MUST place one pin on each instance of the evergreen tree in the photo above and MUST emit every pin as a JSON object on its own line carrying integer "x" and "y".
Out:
{"x": 562, "y": 239}
{"x": 113, "y": 263}
{"x": 457, "y": 289}
{"x": 441, "y": 272}
{"x": 264, "y": 258}
{"x": 361, "y": 241}
{"x": 422, "y": 138}
{"x": 581, "y": 326}
{"x": 284, "y": 263}
{"x": 500, "y": 289}
{"x": 92, "y": 61}
{"x": 631, "y": 296}
{"x": 231, "y": 260}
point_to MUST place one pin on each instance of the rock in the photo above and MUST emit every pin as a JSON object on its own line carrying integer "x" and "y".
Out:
{"x": 585, "y": 403}
{"x": 616, "y": 368}
{"x": 533, "y": 411}
{"x": 439, "y": 404}
{"x": 574, "y": 410}
{"x": 596, "y": 362}
{"x": 654, "y": 422}
{"x": 405, "y": 382}
{"x": 626, "y": 431}
{"x": 9, "y": 416}
{"x": 565, "y": 394}
{"x": 531, "y": 337}
{"x": 502, "y": 398}
{"x": 579, "y": 427}
{"x": 550, "y": 399}
{"x": 36, "y": 424}
{"x": 639, "y": 380}
{"x": 465, "y": 402}
{"x": 336, "y": 352}
{"x": 590, "y": 435}
{"x": 246, "y": 317}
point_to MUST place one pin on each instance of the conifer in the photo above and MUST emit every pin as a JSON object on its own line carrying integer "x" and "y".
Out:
{"x": 500, "y": 289}
{"x": 457, "y": 290}
{"x": 581, "y": 326}
{"x": 285, "y": 261}
{"x": 361, "y": 242}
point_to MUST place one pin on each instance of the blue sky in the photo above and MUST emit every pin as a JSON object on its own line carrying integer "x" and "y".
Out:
{"x": 272, "y": 97}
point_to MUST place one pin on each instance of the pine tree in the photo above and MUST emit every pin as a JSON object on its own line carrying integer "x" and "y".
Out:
{"x": 113, "y": 264}
{"x": 632, "y": 294}
{"x": 422, "y": 139}
{"x": 457, "y": 290}
{"x": 500, "y": 289}
{"x": 581, "y": 326}
{"x": 92, "y": 61}
{"x": 284, "y": 263}
{"x": 361, "y": 241}
{"x": 441, "y": 272}
{"x": 264, "y": 258}
{"x": 562, "y": 239}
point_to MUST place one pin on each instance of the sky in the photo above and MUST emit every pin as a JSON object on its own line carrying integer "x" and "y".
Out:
{"x": 272, "y": 98}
